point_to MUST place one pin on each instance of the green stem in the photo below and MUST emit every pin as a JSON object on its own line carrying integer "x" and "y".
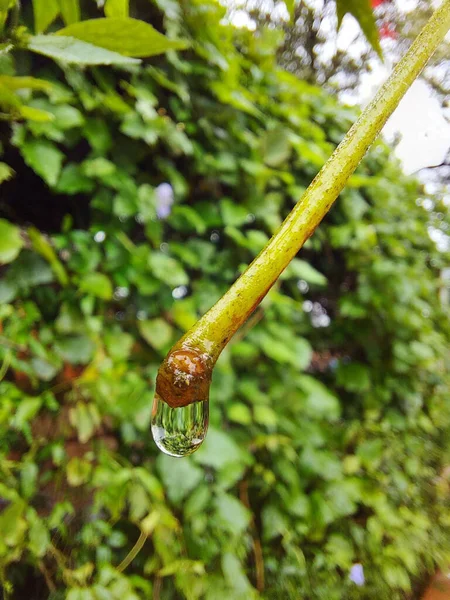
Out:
{"x": 212, "y": 332}
{"x": 133, "y": 552}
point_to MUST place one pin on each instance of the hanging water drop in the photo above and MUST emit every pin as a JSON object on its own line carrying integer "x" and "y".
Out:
{"x": 179, "y": 431}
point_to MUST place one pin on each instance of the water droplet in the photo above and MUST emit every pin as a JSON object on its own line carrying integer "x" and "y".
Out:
{"x": 179, "y": 431}
{"x": 179, "y": 292}
{"x": 302, "y": 286}
{"x": 99, "y": 237}
{"x": 307, "y": 306}
{"x": 214, "y": 237}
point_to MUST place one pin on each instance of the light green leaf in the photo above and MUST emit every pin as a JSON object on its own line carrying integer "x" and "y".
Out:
{"x": 25, "y": 412}
{"x": 6, "y": 173}
{"x": 25, "y": 83}
{"x": 72, "y": 50}
{"x": 28, "y": 477}
{"x": 77, "y": 349}
{"x": 44, "y": 158}
{"x": 157, "y": 332}
{"x": 43, "y": 369}
{"x": 127, "y": 36}
{"x": 239, "y": 413}
{"x": 116, "y": 8}
{"x": 167, "y": 269}
{"x": 38, "y": 534}
{"x": 220, "y": 450}
{"x": 276, "y": 146}
{"x": 179, "y": 476}
{"x": 45, "y": 12}
{"x": 78, "y": 471}
{"x": 8, "y": 291}
{"x": 97, "y": 284}
{"x": 303, "y": 270}
{"x": 232, "y": 514}
{"x": 233, "y": 214}
{"x": 290, "y": 5}
{"x": 70, "y": 10}
{"x": 363, "y": 13}
{"x": 13, "y": 524}
{"x": 234, "y": 573}
{"x": 35, "y": 114}
{"x": 10, "y": 241}
{"x": 319, "y": 401}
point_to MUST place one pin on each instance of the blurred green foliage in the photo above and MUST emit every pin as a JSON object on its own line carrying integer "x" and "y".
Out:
{"x": 330, "y": 414}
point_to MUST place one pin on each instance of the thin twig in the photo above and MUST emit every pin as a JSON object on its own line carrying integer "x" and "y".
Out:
{"x": 48, "y": 580}
{"x": 257, "y": 549}
{"x": 133, "y": 552}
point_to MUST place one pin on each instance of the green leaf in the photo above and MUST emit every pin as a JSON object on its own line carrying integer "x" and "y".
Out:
{"x": 127, "y": 36}
{"x": 28, "y": 477}
{"x": 276, "y": 146}
{"x": 78, "y": 472}
{"x": 30, "y": 270}
{"x": 75, "y": 349}
{"x": 297, "y": 353}
{"x": 167, "y": 269}
{"x": 290, "y": 5}
{"x": 157, "y": 332}
{"x": 234, "y": 573}
{"x": 220, "y": 450}
{"x": 25, "y": 83}
{"x": 302, "y": 270}
{"x": 6, "y": 173}
{"x": 45, "y": 12}
{"x": 44, "y": 370}
{"x": 85, "y": 418}
{"x": 72, "y": 50}
{"x": 25, "y": 412}
{"x": 44, "y": 158}
{"x": 118, "y": 343}
{"x": 43, "y": 247}
{"x": 35, "y": 114}
{"x": 233, "y": 214}
{"x": 353, "y": 376}
{"x": 232, "y": 515}
{"x": 180, "y": 477}
{"x": 39, "y": 537}
{"x": 363, "y": 13}
{"x": 320, "y": 401}
{"x": 70, "y": 11}
{"x": 8, "y": 291}
{"x": 10, "y": 241}
{"x": 12, "y": 524}
{"x": 97, "y": 284}
{"x": 117, "y": 8}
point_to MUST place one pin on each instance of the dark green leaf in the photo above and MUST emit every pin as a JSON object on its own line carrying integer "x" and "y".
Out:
{"x": 363, "y": 13}
{"x": 44, "y": 158}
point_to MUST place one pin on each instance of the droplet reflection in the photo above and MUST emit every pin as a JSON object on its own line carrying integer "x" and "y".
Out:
{"x": 179, "y": 431}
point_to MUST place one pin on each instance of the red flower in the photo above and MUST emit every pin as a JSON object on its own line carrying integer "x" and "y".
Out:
{"x": 376, "y": 3}
{"x": 388, "y": 31}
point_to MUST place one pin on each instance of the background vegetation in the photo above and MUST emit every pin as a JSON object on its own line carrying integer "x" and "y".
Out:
{"x": 329, "y": 413}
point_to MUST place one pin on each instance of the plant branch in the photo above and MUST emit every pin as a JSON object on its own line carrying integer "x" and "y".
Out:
{"x": 196, "y": 353}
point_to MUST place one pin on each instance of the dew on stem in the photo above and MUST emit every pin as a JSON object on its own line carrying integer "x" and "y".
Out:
{"x": 179, "y": 431}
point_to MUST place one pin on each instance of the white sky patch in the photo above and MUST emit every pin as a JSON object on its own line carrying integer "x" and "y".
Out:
{"x": 419, "y": 119}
